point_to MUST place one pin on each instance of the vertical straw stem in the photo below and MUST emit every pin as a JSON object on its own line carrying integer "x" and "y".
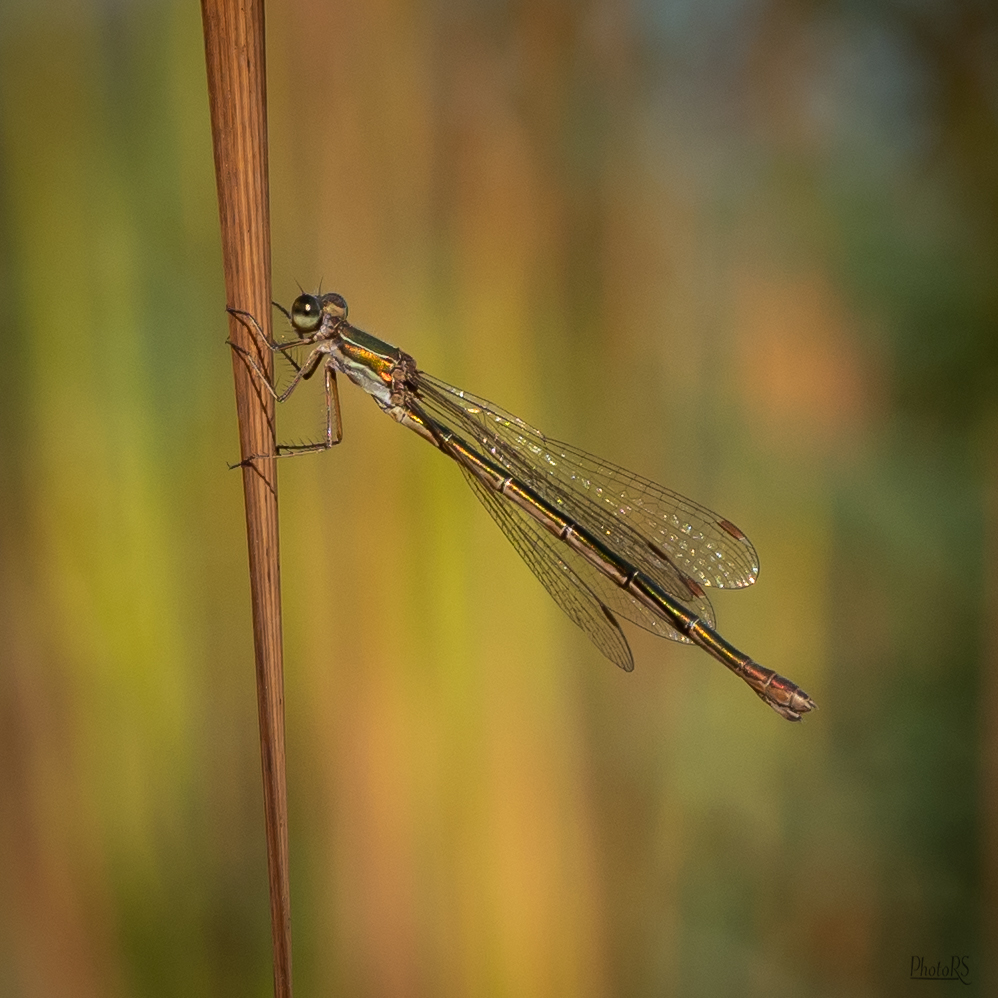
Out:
{"x": 234, "y": 55}
{"x": 988, "y": 714}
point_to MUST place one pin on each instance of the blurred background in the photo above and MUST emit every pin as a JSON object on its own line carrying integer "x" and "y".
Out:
{"x": 748, "y": 248}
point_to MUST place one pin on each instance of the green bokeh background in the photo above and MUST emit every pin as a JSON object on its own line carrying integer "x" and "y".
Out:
{"x": 748, "y": 248}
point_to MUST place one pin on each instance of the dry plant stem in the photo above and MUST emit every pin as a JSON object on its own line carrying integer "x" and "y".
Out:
{"x": 234, "y": 54}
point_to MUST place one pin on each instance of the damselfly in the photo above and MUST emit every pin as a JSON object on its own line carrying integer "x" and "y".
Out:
{"x": 603, "y": 541}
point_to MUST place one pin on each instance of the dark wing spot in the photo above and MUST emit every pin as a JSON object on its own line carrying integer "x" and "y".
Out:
{"x": 728, "y": 527}
{"x": 628, "y": 664}
{"x": 694, "y": 587}
{"x": 657, "y": 550}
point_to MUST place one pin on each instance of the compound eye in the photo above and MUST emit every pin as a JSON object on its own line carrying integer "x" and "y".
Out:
{"x": 306, "y": 313}
{"x": 335, "y": 304}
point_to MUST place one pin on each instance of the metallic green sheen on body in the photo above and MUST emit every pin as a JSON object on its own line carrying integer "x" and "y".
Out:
{"x": 367, "y": 361}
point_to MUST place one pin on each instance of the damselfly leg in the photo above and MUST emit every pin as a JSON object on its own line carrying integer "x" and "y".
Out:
{"x": 303, "y": 372}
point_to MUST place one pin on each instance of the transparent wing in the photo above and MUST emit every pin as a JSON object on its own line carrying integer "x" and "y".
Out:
{"x": 538, "y": 549}
{"x": 545, "y": 545}
{"x": 543, "y": 552}
{"x": 581, "y": 509}
{"x": 677, "y": 542}
{"x": 619, "y": 600}
{"x": 679, "y": 545}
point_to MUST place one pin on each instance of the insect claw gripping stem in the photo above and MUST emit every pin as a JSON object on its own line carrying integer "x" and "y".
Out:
{"x": 252, "y": 324}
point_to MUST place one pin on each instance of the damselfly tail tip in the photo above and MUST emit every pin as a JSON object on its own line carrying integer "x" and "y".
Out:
{"x": 785, "y": 698}
{"x": 793, "y": 712}
{"x": 801, "y": 703}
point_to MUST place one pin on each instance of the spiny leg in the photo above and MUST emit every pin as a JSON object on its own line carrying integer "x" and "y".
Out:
{"x": 303, "y": 373}
{"x": 272, "y": 345}
{"x": 332, "y": 407}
